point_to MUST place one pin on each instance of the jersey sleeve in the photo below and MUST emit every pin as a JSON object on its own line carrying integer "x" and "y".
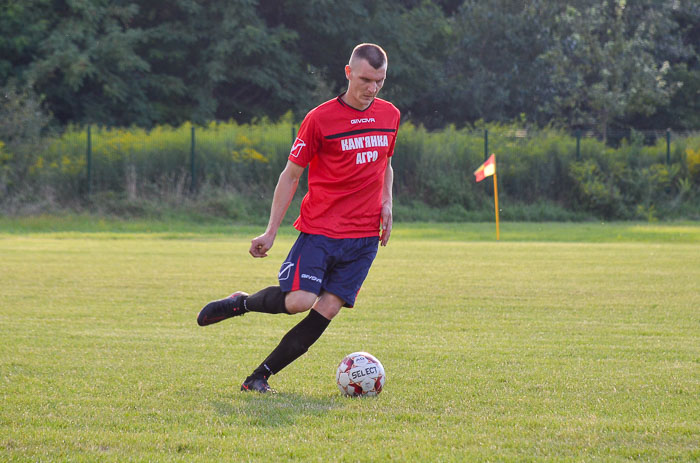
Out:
{"x": 396, "y": 134}
{"x": 305, "y": 146}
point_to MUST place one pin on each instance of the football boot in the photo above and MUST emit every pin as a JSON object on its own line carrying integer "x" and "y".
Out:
{"x": 216, "y": 311}
{"x": 256, "y": 383}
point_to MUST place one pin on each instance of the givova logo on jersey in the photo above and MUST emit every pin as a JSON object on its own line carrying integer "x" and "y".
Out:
{"x": 298, "y": 145}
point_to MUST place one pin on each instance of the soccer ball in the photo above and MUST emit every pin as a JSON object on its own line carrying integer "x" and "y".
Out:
{"x": 360, "y": 374}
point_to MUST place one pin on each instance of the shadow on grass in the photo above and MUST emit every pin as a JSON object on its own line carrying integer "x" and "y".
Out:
{"x": 276, "y": 410}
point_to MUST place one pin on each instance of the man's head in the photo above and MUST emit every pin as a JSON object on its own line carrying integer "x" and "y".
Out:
{"x": 365, "y": 72}
{"x": 373, "y": 54}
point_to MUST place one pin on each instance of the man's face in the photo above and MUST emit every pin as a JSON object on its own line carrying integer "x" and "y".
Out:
{"x": 364, "y": 83}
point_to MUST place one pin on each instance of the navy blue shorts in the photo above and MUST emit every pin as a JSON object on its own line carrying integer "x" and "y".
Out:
{"x": 317, "y": 263}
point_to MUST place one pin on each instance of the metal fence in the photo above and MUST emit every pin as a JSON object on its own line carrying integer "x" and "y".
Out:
{"x": 195, "y": 155}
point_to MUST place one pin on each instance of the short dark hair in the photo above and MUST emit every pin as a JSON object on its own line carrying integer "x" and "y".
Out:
{"x": 374, "y": 54}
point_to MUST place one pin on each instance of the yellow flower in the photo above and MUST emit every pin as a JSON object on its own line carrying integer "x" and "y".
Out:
{"x": 253, "y": 155}
{"x": 243, "y": 140}
{"x": 693, "y": 160}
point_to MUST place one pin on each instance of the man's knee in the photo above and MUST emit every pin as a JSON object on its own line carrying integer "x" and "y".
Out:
{"x": 299, "y": 301}
{"x": 329, "y": 305}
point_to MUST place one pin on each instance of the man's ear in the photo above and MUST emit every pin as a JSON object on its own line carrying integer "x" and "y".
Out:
{"x": 348, "y": 71}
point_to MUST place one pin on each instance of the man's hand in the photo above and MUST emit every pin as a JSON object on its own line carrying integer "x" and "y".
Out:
{"x": 386, "y": 224}
{"x": 261, "y": 244}
{"x": 284, "y": 192}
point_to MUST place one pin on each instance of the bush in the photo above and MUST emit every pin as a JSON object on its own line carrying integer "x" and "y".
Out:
{"x": 236, "y": 168}
{"x": 23, "y": 126}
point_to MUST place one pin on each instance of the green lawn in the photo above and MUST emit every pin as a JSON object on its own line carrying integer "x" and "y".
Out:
{"x": 562, "y": 342}
{"x": 591, "y": 232}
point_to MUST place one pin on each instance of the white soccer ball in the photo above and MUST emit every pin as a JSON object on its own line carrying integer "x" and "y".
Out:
{"x": 360, "y": 374}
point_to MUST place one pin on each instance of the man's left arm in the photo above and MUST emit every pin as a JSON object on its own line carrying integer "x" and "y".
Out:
{"x": 387, "y": 203}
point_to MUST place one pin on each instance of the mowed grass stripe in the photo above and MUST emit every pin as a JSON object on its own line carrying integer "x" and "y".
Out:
{"x": 493, "y": 351}
{"x": 82, "y": 226}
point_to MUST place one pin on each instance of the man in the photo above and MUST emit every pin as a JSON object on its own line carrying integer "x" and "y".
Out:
{"x": 347, "y": 143}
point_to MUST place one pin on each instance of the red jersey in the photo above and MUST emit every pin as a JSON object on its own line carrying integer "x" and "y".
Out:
{"x": 347, "y": 151}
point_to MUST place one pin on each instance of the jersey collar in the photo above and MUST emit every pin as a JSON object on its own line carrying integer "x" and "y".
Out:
{"x": 340, "y": 100}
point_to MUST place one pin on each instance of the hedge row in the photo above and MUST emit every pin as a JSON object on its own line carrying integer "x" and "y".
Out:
{"x": 433, "y": 170}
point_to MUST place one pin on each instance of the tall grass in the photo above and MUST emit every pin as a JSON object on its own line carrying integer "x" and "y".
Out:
{"x": 139, "y": 162}
{"x": 541, "y": 175}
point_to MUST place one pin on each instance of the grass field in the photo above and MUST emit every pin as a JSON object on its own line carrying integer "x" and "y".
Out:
{"x": 562, "y": 342}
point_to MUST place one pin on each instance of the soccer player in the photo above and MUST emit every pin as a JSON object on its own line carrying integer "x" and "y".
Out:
{"x": 347, "y": 144}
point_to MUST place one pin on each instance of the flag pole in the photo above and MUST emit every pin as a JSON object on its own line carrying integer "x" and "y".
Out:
{"x": 495, "y": 201}
{"x": 488, "y": 169}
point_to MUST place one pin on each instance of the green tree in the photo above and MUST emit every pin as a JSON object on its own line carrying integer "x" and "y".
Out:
{"x": 139, "y": 62}
{"x": 681, "y": 48}
{"x": 602, "y": 64}
{"x": 86, "y": 66}
{"x": 414, "y": 35}
{"x": 22, "y": 27}
{"x": 23, "y": 123}
{"x": 219, "y": 59}
{"x": 416, "y": 40}
{"x": 493, "y": 70}
{"x": 148, "y": 62}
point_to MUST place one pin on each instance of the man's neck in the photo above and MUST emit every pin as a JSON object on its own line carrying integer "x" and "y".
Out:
{"x": 355, "y": 105}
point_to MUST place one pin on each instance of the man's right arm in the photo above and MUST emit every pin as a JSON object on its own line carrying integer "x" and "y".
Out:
{"x": 284, "y": 193}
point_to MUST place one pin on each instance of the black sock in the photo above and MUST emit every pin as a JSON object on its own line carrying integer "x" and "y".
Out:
{"x": 294, "y": 344}
{"x": 268, "y": 300}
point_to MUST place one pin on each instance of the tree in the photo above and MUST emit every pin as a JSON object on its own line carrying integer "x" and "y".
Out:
{"x": 22, "y": 27}
{"x": 414, "y": 37}
{"x": 602, "y": 64}
{"x": 148, "y": 62}
{"x": 493, "y": 70}
{"x": 679, "y": 46}
{"x": 418, "y": 42}
{"x": 85, "y": 65}
{"x": 22, "y": 126}
{"x": 219, "y": 60}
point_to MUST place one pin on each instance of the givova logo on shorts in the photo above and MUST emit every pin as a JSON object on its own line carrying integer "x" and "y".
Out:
{"x": 285, "y": 271}
{"x": 306, "y": 276}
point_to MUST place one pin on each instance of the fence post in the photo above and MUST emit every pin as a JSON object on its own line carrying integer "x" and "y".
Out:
{"x": 578, "y": 144}
{"x": 668, "y": 146}
{"x": 486, "y": 144}
{"x": 88, "y": 155}
{"x": 294, "y": 135}
{"x": 193, "y": 180}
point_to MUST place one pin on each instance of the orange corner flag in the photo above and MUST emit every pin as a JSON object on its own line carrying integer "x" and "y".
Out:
{"x": 487, "y": 169}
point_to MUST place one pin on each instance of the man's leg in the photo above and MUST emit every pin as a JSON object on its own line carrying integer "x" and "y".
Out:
{"x": 298, "y": 340}
{"x": 286, "y": 298}
{"x": 268, "y": 300}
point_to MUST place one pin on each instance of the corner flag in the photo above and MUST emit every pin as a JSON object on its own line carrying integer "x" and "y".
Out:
{"x": 487, "y": 169}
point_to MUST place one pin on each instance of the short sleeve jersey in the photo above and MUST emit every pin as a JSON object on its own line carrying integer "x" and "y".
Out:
{"x": 347, "y": 151}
